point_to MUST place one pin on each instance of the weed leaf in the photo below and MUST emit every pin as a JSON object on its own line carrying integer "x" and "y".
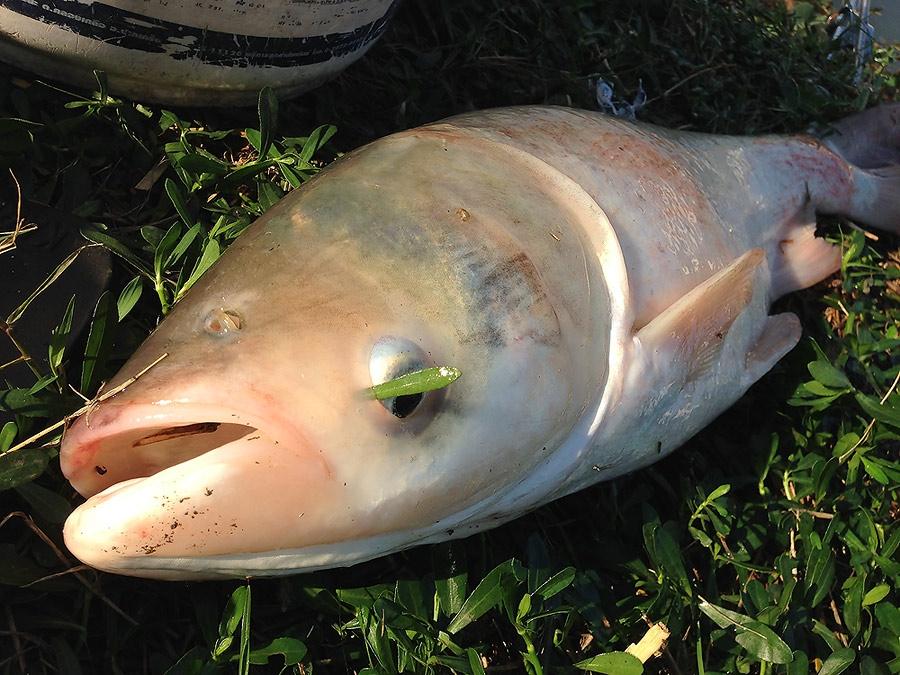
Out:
{"x": 668, "y": 554}
{"x": 117, "y": 247}
{"x": 99, "y": 341}
{"x": 22, "y": 466}
{"x": 451, "y": 593}
{"x": 198, "y": 163}
{"x": 234, "y": 611}
{"x": 838, "y": 662}
{"x": 886, "y": 412}
{"x": 762, "y": 642}
{"x": 182, "y": 246}
{"x": 487, "y": 595}
{"x": 17, "y": 313}
{"x": 59, "y": 336}
{"x": 244, "y": 652}
{"x": 211, "y": 253}
{"x": 828, "y": 375}
{"x": 557, "y": 583}
{"x": 129, "y": 297}
{"x": 612, "y": 663}
{"x": 722, "y": 617}
{"x": 876, "y": 594}
{"x": 267, "y": 108}
{"x": 319, "y": 137}
{"x": 475, "y": 664}
{"x": 8, "y": 434}
{"x": 179, "y": 201}
{"x": 292, "y": 649}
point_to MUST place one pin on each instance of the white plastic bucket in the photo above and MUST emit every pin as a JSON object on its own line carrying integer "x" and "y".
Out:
{"x": 197, "y": 52}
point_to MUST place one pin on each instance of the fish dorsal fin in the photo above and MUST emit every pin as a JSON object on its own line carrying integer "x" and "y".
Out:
{"x": 690, "y": 332}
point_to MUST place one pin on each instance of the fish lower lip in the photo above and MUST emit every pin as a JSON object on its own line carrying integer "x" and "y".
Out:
{"x": 136, "y": 441}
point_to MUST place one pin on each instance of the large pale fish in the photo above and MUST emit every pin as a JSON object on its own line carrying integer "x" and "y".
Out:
{"x": 603, "y": 287}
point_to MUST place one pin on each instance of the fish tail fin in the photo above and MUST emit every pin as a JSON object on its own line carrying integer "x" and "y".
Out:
{"x": 869, "y": 142}
{"x": 876, "y": 199}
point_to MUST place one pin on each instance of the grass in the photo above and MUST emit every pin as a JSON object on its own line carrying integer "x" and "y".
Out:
{"x": 768, "y": 544}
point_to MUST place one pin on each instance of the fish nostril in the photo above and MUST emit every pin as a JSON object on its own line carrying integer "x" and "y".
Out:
{"x": 221, "y": 322}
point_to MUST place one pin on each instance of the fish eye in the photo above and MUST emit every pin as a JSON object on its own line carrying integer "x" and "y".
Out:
{"x": 403, "y": 406}
{"x": 393, "y": 357}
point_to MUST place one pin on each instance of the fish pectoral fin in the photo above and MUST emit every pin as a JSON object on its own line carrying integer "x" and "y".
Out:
{"x": 779, "y": 335}
{"x": 690, "y": 332}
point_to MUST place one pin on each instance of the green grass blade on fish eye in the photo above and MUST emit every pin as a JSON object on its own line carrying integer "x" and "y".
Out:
{"x": 417, "y": 382}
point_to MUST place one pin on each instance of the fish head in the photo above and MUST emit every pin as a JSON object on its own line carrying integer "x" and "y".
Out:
{"x": 245, "y": 439}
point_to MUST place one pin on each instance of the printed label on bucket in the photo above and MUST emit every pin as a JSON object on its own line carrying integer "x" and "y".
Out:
{"x": 291, "y": 34}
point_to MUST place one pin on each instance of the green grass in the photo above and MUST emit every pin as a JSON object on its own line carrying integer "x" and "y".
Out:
{"x": 770, "y": 537}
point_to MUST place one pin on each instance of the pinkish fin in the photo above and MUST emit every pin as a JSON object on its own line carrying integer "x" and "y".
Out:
{"x": 780, "y": 335}
{"x": 692, "y": 330}
{"x": 798, "y": 259}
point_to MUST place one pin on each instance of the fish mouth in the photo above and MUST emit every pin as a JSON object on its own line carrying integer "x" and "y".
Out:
{"x": 187, "y": 482}
{"x": 119, "y": 443}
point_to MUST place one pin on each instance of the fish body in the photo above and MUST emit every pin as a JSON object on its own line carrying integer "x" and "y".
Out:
{"x": 603, "y": 286}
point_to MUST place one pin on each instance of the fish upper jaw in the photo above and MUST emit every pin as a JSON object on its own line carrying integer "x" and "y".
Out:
{"x": 121, "y": 441}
